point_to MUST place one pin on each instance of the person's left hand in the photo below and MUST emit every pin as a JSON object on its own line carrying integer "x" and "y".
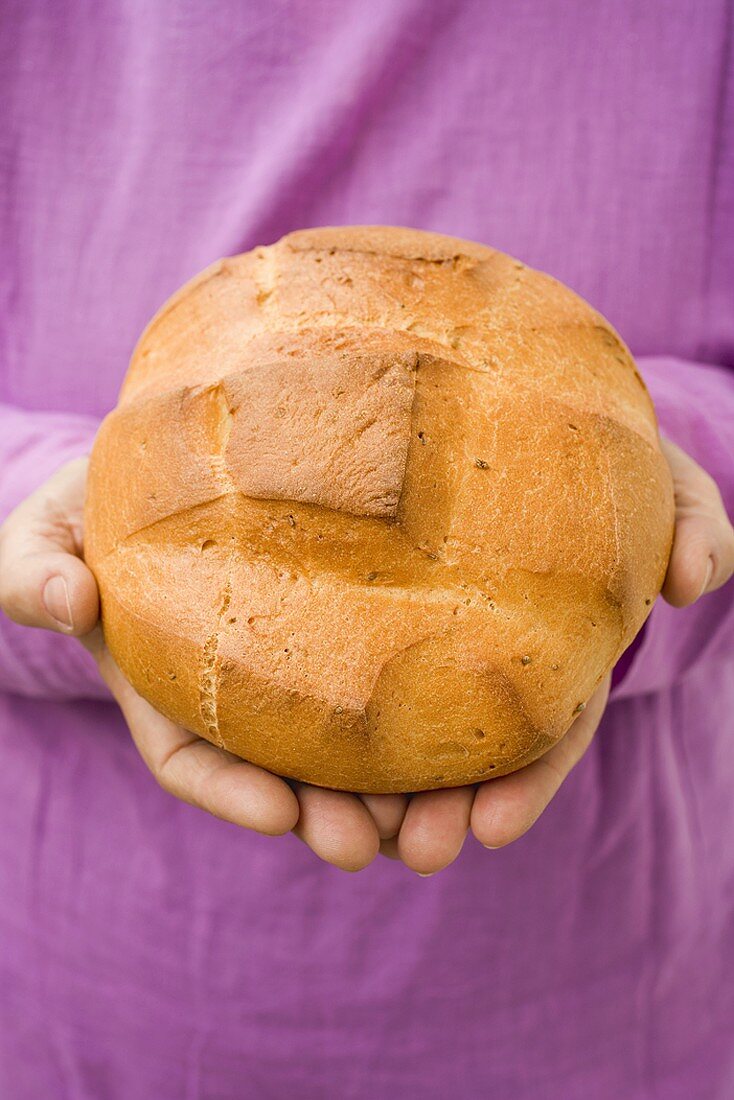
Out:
{"x": 501, "y": 810}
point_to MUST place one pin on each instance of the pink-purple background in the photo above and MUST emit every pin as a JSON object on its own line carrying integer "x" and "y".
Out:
{"x": 148, "y": 951}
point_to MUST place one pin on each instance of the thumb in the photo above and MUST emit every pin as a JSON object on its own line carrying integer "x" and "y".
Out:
{"x": 702, "y": 556}
{"x": 43, "y": 580}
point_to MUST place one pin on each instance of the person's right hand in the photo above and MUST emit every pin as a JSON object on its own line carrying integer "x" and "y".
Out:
{"x": 44, "y": 582}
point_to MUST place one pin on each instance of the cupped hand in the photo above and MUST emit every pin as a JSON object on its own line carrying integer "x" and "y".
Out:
{"x": 44, "y": 582}
{"x": 502, "y": 810}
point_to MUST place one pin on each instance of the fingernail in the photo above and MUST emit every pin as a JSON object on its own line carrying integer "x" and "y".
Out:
{"x": 425, "y": 874}
{"x": 709, "y": 574}
{"x": 57, "y": 603}
{"x": 492, "y": 847}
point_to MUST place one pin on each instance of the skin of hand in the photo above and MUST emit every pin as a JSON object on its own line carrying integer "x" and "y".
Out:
{"x": 44, "y": 582}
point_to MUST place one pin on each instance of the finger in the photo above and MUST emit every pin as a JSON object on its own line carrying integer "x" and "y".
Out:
{"x": 51, "y": 590}
{"x": 389, "y": 848}
{"x": 337, "y": 827}
{"x": 388, "y": 811}
{"x": 434, "y": 829}
{"x": 505, "y": 808}
{"x": 43, "y": 581}
{"x": 702, "y": 557}
{"x": 197, "y": 772}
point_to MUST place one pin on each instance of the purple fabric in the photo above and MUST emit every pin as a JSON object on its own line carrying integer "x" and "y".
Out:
{"x": 147, "y": 950}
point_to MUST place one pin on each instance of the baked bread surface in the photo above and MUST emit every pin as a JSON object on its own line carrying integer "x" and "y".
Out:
{"x": 378, "y": 509}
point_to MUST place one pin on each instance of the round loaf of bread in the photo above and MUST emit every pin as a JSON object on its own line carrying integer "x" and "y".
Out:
{"x": 378, "y": 509}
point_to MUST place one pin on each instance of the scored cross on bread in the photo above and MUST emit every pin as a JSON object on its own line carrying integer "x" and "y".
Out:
{"x": 378, "y": 509}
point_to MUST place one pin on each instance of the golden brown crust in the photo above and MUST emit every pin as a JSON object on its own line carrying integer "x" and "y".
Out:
{"x": 378, "y": 508}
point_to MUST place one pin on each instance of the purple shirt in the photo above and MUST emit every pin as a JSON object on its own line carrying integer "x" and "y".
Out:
{"x": 147, "y": 950}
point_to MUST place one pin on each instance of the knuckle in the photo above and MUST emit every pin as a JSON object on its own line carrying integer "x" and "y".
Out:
{"x": 170, "y": 772}
{"x": 166, "y": 778}
{"x": 162, "y": 773}
{"x": 711, "y": 496}
{"x": 555, "y": 769}
{"x": 709, "y": 485}
{"x": 728, "y": 556}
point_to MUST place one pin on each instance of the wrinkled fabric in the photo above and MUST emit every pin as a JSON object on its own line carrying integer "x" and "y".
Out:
{"x": 147, "y": 950}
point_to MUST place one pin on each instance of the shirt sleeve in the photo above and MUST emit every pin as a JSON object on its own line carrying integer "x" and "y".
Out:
{"x": 695, "y": 408}
{"x": 39, "y": 663}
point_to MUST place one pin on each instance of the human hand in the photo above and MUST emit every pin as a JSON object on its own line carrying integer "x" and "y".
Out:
{"x": 503, "y": 809}
{"x": 44, "y": 582}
